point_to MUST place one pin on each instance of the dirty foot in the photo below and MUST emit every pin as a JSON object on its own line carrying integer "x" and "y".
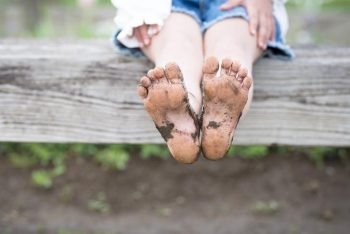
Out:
{"x": 165, "y": 99}
{"x": 224, "y": 99}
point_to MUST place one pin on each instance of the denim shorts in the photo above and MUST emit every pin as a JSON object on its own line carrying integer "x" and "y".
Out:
{"x": 207, "y": 12}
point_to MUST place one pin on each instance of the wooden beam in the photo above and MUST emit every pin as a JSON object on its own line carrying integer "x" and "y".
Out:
{"x": 83, "y": 91}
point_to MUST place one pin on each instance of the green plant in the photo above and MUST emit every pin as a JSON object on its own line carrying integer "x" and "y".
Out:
{"x": 44, "y": 178}
{"x": 48, "y": 161}
{"x": 250, "y": 152}
{"x": 114, "y": 157}
{"x": 159, "y": 151}
{"x": 319, "y": 154}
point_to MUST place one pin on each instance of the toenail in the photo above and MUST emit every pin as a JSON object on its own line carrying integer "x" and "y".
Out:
{"x": 172, "y": 71}
{"x": 211, "y": 65}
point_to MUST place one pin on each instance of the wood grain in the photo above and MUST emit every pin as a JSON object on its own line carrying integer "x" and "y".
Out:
{"x": 84, "y": 91}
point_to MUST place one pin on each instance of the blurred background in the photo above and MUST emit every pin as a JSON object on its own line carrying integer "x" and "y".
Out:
{"x": 110, "y": 189}
{"x": 312, "y": 21}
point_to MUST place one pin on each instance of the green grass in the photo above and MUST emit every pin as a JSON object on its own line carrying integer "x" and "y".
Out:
{"x": 48, "y": 161}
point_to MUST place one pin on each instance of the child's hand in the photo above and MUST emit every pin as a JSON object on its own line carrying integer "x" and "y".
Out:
{"x": 144, "y": 33}
{"x": 260, "y": 18}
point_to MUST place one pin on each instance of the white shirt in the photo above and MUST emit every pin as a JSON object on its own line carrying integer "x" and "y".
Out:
{"x": 134, "y": 13}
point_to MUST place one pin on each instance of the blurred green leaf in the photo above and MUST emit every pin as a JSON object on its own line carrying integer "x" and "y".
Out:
{"x": 42, "y": 178}
{"x": 248, "y": 152}
{"x": 159, "y": 151}
{"x": 114, "y": 157}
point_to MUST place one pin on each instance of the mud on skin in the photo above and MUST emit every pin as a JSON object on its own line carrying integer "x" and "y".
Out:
{"x": 166, "y": 101}
{"x": 223, "y": 102}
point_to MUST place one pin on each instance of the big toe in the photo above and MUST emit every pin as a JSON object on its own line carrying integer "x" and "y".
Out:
{"x": 215, "y": 154}
{"x": 210, "y": 67}
{"x": 155, "y": 74}
{"x": 173, "y": 72}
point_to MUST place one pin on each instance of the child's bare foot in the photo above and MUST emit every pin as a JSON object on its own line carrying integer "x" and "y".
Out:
{"x": 166, "y": 101}
{"x": 224, "y": 99}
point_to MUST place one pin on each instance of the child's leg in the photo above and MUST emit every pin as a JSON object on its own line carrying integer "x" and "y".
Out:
{"x": 164, "y": 96}
{"x": 226, "y": 97}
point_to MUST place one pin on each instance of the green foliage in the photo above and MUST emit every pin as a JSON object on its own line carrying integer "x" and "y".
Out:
{"x": 250, "y": 153}
{"x": 85, "y": 150}
{"x": 319, "y": 155}
{"x": 48, "y": 161}
{"x": 114, "y": 157}
{"x": 160, "y": 151}
{"x": 42, "y": 178}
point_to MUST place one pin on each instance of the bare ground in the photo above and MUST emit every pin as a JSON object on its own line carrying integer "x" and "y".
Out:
{"x": 162, "y": 196}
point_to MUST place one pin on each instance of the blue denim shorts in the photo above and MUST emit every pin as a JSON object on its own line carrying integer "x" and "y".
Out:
{"x": 207, "y": 12}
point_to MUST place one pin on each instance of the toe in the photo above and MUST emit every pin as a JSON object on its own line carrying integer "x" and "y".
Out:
{"x": 155, "y": 74}
{"x": 158, "y": 72}
{"x": 210, "y": 67}
{"x": 150, "y": 75}
{"x": 226, "y": 66}
{"x": 142, "y": 91}
{"x": 247, "y": 83}
{"x": 235, "y": 66}
{"x": 145, "y": 82}
{"x": 242, "y": 74}
{"x": 172, "y": 72}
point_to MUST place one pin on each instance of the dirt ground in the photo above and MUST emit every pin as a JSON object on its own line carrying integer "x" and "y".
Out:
{"x": 163, "y": 197}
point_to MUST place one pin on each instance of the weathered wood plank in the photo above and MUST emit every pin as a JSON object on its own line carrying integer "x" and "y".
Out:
{"x": 85, "y": 92}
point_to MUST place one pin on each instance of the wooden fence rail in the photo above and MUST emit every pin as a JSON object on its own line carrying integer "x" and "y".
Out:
{"x": 83, "y": 91}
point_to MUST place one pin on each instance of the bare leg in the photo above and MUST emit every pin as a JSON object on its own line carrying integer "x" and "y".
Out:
{"x": 172, "y": 97}
{"x": 227, "y": 96}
